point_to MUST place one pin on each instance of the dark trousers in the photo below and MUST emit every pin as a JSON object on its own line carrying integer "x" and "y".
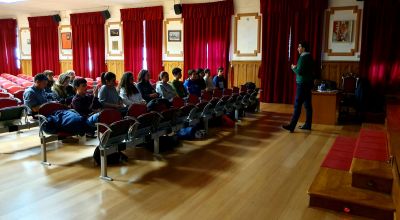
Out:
{"x": 303, "y": 95}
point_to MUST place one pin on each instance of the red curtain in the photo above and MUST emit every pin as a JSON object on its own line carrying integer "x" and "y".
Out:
{"x": 380, "y": 45}
{"x": 207, "y": 24}
{"x": 132, "y": 19}
{"x": 154, "y": 26}
{"x": 303, "y": 22}
{"x": 44, "y": 44}
{"x": 8, "y": 46}
{"x": 88, "y": 44}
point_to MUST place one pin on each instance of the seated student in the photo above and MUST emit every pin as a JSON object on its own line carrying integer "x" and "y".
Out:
{"x": 208, "y": 80}
{"x": 86, "y": 104}
{"x": 219, "y": 80}
{"x": 35, "y": 96}
{"x": 200, "y": 81}
{"x": 144, "y": 86}
{"x": 70, "y": 87}
{"x": 128, "y": 91}
{"x": 191, "y": 85}
{"x": 60, "y": 89}
{"x": 108, "y": 94}
{"x": 163, "y": 88}
{"x": 49, "y": 74}
{"x": 83, "y": 103}
{"x": 177, "y": 84}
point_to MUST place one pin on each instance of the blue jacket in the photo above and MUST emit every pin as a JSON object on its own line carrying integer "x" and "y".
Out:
{"x": 192, "y": 87}
{"x": 219, "y": 82}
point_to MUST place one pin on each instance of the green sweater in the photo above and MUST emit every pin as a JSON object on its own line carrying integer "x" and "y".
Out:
{"x": 304, "y": 69}
{"x": 179, "y": 88}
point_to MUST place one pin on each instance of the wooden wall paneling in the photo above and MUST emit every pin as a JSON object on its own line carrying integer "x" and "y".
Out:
{"x": 246, "y": 71}
{"x": 26, "y": 67}
{"x": 333, "y": 70}
{"x": 66, "y": 65}
{"x": 170, "y": 65}
{"x": 117, "y": 67}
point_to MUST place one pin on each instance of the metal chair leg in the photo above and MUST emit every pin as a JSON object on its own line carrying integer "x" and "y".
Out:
{"x": 157, "y": 145}
{"x": 103, "y": 166}
{"x": 44, "y": 153}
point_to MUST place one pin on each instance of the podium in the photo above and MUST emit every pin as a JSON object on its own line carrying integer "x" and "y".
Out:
{"x": 325, "y": 106}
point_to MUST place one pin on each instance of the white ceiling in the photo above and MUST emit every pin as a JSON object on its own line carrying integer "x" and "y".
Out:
{"x": 43, "y": 7}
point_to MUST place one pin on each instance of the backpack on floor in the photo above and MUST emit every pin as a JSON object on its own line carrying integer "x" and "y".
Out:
{"x": 112, "y": 159}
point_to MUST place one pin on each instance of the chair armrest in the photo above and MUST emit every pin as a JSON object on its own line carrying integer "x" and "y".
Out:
{"x": 103, "y": 138}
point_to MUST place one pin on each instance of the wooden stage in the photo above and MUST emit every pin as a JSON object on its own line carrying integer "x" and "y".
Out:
{"x": 255, "y": 171}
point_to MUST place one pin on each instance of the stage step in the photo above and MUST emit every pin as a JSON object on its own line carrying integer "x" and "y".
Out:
{"x": 372, "y": 175}
{"x": 332, "y": 189}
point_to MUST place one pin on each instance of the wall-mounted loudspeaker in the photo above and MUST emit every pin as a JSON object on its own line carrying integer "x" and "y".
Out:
{"x": 106, "y": 14}
{"x": 178, "y": 9}
{"x": 57, "y": 18}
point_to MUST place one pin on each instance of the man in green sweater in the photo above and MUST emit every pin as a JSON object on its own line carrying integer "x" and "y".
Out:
{"x": 305, "y": 83}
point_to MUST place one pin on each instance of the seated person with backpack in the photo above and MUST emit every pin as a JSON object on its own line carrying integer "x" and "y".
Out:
{"x": 191, "y": 85}
{"x": 35, "y": 96}
{"x": 219, "y": 80}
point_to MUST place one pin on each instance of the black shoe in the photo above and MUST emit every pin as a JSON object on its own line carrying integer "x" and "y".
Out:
{"x": 287, "y": 127}
{"x": 304, "y": 127}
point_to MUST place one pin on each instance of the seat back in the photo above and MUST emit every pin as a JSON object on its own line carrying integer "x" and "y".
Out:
{"x": 8, "y": 102}
{"x": 193, "y": 99}
{"x": 49, "y": 108}
{"x": 109, "y": 116}
{"x": 178, "y": 102}
{"x": 349, "y": 83}
{"x": 135, "y": 110}
{"x": 4, "y": 95}
{"x": 121, "y": 128}
{"x": 149, "y": 121}
{"x": 228, "y": 92}
{"x": 19, "y": 94}
{"x": 14, "y": 89}
{"x": 217, "y": 93}
{"x": 158, "y": 105}
{"x": 206, "y": 96}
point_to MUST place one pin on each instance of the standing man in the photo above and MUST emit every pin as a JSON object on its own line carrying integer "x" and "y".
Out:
{"x": 305, "y": 83}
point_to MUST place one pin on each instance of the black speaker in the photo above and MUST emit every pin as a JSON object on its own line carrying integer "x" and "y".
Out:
{"x": 178, "y": 9}
{"x": 106, "y": 14}
{"x": 57, "y": 18}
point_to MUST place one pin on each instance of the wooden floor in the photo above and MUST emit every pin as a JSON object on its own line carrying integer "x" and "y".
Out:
{"x": 253, "y": 171}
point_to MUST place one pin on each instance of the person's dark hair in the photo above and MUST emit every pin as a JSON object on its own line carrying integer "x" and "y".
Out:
{"x": 199, "y": 71}
{"x": 107, "y": 76}
{"x": 220, "y": 68}
{"x": 162, "y": 74}
{"x": 48, "y": 73}
{"x": 305, "y": 45}
{"x": 40, "y": 77}
{"x": 79, "y": 81}
{"x": 190, "y": 72}
{"x": 207, "y": 71}
{"x": 176, "y": 71}
{"x": 125, "y": 83}
{"x": 142, "y": 75}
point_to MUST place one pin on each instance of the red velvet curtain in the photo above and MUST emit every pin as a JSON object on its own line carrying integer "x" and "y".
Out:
{"x": 154, "y": 26}
{"x": 207, "y": 24}
{"x": 44, "y": 44}
{"x": 88, "y": 44}
{"x": 380, "y": 49}
{"x": 8, "y": 46}
{"x": 132, "y": 24}
{"x": 303, "y": 21}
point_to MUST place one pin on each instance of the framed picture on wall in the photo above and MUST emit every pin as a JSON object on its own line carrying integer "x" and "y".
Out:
{"x": 173, "y": 42}
{"x": 114, "y": 39}
{"x": 65, "y": 35}
{"x": 247, "y": 31}
{"x": 342, "y": 31}
{"x": 66, "y": 40}
{"x": 174, "y": 36}
{"x": 25, "y": 41}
